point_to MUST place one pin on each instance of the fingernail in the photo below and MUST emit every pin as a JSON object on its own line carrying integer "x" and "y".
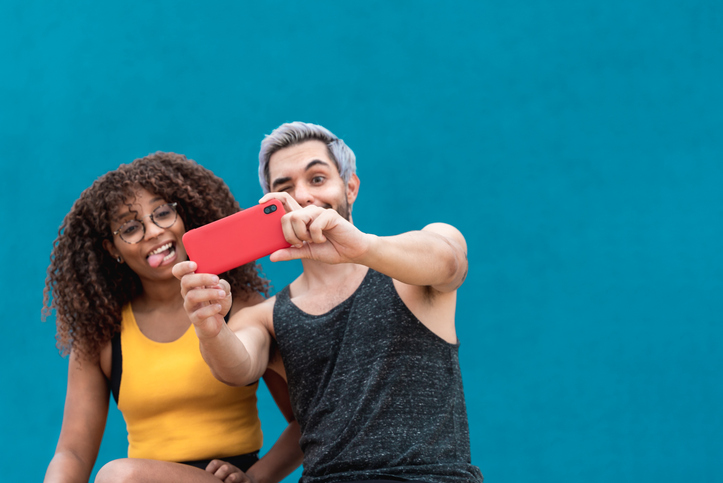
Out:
{"x": 222, "y": 294}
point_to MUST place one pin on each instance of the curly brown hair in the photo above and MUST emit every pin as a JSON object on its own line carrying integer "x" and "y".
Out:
{"x": 86, "y": 286}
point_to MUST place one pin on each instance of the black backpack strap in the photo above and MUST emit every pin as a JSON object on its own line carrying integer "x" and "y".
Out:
{"x": 116, "y": 368}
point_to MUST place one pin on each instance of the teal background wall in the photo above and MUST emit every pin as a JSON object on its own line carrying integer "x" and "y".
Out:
{"x": 576, "y": 144}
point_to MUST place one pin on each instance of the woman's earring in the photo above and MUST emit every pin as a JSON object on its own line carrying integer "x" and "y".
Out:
{"x": 119, "y": 259}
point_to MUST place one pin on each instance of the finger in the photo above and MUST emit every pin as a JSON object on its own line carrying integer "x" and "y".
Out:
{"x": 239, "y": 477}
{"x": 182, "y": 268}
{"x": 223, "y": 471}
{"x": 201, "y": 296}
{"x": 322, "y": 222}
{"x": 213, "y": 466}
{"x": 289, "y": 232}
{"x": 200, "y": 315}
{"x": 308, "y": 215}
{"x": 300, "y": 222}
{"x": 286, "y": 254}
{"x": 229, "y": 473}
{"x": 197, "y": 280}
{"x": 289, "y": 203}
{"x": 225, "y": 286}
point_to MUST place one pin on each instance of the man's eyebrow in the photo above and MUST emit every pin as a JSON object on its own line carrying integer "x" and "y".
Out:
{"x": 315, "y": 162}
{"x": 279, "y": 181}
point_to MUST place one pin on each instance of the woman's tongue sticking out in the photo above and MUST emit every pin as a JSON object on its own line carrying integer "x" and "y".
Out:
{"x": 156, "y": 259}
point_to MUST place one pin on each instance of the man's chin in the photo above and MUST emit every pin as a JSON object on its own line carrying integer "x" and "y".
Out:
{"x": 343, "y": 210}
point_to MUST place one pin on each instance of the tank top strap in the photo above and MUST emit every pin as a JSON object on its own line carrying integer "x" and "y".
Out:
{"x": 284, "y": 295}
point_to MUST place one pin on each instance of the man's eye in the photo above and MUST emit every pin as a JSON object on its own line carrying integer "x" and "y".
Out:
{"x": 317, "y": 179}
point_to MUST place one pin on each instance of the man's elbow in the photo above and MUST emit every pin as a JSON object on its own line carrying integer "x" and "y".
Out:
{"x": 456, "y": 274}
{"x": 453, "y": 270}
{"x": 232, "y": 379}
{"x": 452, "y": 254}
{"x": 231, "y": 376}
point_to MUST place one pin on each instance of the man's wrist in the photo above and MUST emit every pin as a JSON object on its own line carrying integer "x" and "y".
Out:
{"x": 368, "y": 251}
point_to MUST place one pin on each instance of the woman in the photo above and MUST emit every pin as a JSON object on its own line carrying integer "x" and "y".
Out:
{"x": 120, "y": 316}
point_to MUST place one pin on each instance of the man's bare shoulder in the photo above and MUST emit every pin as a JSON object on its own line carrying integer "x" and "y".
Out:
{"x": 258, "y": 315}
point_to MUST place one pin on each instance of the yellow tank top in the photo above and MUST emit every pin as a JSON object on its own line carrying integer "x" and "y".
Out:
{"x": 175, "y": 410}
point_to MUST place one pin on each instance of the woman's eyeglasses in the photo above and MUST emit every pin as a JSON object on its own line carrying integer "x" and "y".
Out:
{"x": 133, "y": 231}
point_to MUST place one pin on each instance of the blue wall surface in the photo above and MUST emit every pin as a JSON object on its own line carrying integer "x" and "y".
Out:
{"x": 578, "y": 146}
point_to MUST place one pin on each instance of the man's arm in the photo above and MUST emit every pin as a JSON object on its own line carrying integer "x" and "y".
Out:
{"x": 435, "y": 257}
{"x": 236, "y": 357}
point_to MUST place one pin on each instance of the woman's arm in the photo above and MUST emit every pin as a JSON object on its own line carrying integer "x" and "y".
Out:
{"x": 84, "y": 418}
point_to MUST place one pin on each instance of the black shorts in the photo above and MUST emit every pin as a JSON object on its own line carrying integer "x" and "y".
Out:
{"x": 242, "y": 461}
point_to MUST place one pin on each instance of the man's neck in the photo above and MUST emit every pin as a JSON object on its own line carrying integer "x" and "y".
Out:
{"x": 319, "y": 276}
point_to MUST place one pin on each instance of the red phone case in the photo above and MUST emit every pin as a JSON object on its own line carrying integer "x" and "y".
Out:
{"x": 237, "y": 239}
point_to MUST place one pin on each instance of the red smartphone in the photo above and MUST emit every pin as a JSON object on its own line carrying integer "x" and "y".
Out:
{"x": 237, "y": 239}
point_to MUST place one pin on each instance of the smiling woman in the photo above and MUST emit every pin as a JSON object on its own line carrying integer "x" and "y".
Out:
{"x": 119, "y": 314}
{"x": 159, "y": 245}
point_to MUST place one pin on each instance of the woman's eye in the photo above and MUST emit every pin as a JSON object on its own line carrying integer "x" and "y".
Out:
{"x": 130, "y": 228}
{"x": 162, "y": 213}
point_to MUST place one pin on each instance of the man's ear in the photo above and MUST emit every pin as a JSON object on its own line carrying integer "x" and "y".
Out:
{"x": 352, "y": 188}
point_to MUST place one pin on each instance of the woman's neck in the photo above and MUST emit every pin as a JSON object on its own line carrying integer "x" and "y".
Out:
{"x": 159, "y": 294}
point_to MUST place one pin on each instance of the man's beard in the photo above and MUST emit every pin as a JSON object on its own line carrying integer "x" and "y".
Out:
{"x": 343, "y": 209}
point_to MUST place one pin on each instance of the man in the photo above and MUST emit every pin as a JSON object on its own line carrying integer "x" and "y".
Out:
{"x": 366, "y": 332}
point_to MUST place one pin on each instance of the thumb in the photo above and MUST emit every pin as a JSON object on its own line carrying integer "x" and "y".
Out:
{"x": 286, "y": 254}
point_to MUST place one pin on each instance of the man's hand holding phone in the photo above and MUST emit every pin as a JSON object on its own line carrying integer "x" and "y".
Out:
{"x": 318, "y": 234}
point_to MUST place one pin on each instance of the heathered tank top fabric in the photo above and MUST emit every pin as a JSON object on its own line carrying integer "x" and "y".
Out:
{"x": 376, "y": 393}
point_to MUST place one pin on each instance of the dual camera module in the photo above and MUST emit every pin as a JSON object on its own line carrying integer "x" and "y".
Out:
{"x": 270, "y": 209}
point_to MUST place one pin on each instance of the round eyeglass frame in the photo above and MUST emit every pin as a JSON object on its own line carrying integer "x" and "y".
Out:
{"x": 143, "y": 225}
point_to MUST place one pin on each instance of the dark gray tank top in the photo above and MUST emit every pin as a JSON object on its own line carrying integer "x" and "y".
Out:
{"x": 376, "y": 393}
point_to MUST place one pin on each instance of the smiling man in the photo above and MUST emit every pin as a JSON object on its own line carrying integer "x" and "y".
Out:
{"x": 366, "y": 332}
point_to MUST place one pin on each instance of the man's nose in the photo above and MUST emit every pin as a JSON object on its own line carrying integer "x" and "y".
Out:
{"x": 303, "y": 196}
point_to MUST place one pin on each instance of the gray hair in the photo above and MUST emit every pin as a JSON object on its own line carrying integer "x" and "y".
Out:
{"x": 293, "y": 133}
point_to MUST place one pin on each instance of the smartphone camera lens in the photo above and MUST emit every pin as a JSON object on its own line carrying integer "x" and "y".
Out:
{"x": 270, "y": 209}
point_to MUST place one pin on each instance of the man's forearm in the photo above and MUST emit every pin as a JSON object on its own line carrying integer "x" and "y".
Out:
{"x": 422, "y": 258}
{"x": 228, "y": 358}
